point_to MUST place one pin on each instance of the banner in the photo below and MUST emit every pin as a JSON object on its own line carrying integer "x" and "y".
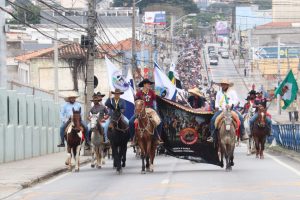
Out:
{"x": 118, "y": 81}
{"x": 155, "y": 18}
{"x": 222, "y": 28}
{"x": 185, "y": 132}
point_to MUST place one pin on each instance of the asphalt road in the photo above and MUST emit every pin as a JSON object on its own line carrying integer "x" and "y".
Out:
{"x": 273, "y": 178}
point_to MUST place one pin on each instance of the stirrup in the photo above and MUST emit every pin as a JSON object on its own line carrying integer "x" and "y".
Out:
{"x": 210, "y": 139}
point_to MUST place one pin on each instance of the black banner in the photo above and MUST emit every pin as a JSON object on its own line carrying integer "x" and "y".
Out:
{"x": 185, "y": 132}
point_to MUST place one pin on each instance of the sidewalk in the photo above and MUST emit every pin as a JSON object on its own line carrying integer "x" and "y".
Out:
{"x": 15, "y": 176}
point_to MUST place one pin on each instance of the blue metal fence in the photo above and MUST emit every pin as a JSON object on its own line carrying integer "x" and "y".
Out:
{"x": 286, "y": 135}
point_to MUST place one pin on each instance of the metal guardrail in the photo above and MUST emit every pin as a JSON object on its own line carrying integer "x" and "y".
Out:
{"x": 286, "y": 135}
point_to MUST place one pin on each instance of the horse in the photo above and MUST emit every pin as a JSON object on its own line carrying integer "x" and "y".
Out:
{"x": 260, "y": 131}
{"x": 118, "y": 133}
{"x": 97, "y": 141}
{"x": 226, "y": 138}
{"x": 144, "y": 134}
{"x": 74, "y": 137}
{"x": 247, "y": 117}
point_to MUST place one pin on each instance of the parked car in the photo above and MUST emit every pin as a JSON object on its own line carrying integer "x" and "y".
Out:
{"x": 213, "y": 53}
{"x": 225, "y": 54}
{"x": 213, "y": 60}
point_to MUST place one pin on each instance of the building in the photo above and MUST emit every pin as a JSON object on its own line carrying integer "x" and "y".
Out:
{"x": 286, "y": 10}
{"x": 249, "y": 16}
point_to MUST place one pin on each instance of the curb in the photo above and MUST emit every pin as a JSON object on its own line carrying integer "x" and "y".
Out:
{"x": 293, "y": 155}
{"x": 49, "y": 175}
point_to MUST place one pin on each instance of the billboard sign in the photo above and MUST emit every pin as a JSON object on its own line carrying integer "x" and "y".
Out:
{"x": 155, "y": 18}
{"x": 222, "y": 28}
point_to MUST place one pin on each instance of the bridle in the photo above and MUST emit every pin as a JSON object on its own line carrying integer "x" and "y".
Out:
{"x": 140, "y": 116}
{"x": 117, "y": 122}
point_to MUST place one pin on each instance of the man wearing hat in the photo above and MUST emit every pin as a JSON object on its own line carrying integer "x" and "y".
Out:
{"x": 66, "y": 114}
{"x": 99, "y": 108}
{"x": 196, "y": 99}
{"x": 226, "y": 98}
{"x": 149, "y": 96}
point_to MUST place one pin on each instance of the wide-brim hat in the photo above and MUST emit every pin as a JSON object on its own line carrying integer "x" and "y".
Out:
{"x": 117, "y": 91}
{"x": 225, "y": 81}
{"x": 196, "y": 92}
{"x": 252, "y": 92}
{"x": 97, "y": 96}
{"x": 71, "y": 94}
{"x": 141, "y": 84}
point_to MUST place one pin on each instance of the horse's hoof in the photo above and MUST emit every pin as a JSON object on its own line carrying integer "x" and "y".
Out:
{"x": 221, "y": 164}
{"x": 103, "y": 162}
{"x": 143, "y": 172}
{"x": 99, "y": 167}
{"x": 232, "y": 163}
{"x": 123, "y": 164}
{"x": 147, "y": 169}
{"x": 92, "y": 165}
{"x": 76, "y": 170}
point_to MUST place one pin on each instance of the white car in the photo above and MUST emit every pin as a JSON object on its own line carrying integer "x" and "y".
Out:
{"x": 213, "y": 60}
{"x": 225, "y": 54}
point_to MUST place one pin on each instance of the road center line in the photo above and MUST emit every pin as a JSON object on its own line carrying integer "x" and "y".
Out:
{"x": 292, "y": 169}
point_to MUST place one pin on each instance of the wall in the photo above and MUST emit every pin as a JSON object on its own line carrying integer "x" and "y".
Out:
{"x": 284, "y": 10}
{"x": 29, "y": 126}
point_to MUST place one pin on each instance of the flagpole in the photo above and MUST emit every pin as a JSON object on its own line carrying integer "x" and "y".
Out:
{"x": 186, "y": 101}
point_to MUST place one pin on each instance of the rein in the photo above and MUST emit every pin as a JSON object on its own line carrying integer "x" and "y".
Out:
{"x": 145, "y": 129}
{"x": 117, "y": 122}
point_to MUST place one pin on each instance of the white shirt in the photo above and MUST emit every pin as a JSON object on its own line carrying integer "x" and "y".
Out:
{"x": 231, "y": 97}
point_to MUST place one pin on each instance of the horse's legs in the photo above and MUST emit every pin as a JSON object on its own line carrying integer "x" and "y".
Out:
{"x": 152, "y": 155}
{"x": 69, "y": 158}
{"x": 256, "y": 146}
{"x": 262, "y": 148}
{"x": 123, "y": 153}
{"x": 118, "y": 156}
{"x": 76, "y": 156}
{"x": 99, "y": 157}
{"x": 143, "y": 163}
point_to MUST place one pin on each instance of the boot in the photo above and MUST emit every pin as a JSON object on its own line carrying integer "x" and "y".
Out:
{"x": 244, "y": 136}
{"x": 87, "y": 145}
{"x": 61, "y": 145}
{"x": 212, "y": 136}
{"x": 133, "y": 142}
{"x": 159, "y": 140}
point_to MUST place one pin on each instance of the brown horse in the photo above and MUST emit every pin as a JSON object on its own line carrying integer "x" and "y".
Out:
{"x": 74, "y": 137}
{"x": 144, "y": 134}
{"x": 260, "y": 131}
{"x": 226, "y": 138}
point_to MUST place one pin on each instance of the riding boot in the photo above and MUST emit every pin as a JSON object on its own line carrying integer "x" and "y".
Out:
{"x": 61, "y": 145}
{"x": 133, "y": 142}
{"x": 87, "y": 145}
{"x": 244, "y": 135}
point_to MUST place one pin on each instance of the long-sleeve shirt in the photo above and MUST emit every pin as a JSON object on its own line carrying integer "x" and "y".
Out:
{"x": 226, "y": 98}
{"x": 112, "y": 104}
{"x": 99, "y": 108}
{"x": 66, "y": 111}
{"x": 149, "y": 98}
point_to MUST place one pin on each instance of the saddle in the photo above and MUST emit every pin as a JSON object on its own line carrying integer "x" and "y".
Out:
{"x": 154, "y": 117}
{"x": 235, "y": 117}
{"x": 68, "y": 130}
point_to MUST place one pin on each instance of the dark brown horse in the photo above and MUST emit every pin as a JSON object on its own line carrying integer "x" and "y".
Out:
{"x": 118, "y": 134}
{"x": 144, "y": 134}
{"x": 74, "y": 137}
{"x": 260, "y": 131}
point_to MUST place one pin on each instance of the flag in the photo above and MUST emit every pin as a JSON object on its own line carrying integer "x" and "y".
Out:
{"x": 117, "y": 81}
{"x": 171, "y": 74}
{"x": 287, "y": 89}
{"x": 163, "y": 85}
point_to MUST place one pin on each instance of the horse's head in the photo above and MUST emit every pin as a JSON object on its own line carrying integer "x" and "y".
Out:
{"x": 139, "y": 107}
{"x": 76, "y": 118}
{"x": 227, "y": 119}
{"x": 94, "y": 120}
{"x": 261, "y": 116}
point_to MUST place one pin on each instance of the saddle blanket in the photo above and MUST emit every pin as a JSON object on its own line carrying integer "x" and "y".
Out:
{"x": 154, "y": 117}
{"x": 235, "y": 117}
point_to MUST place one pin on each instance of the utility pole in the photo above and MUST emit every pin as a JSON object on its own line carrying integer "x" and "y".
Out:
{"x": 133, "y": 44}
{"x": 3, "y": 67}
{"x": 55, "y": 67}
{"x": 92, "y": 16}
{"x": 278, "y": 75}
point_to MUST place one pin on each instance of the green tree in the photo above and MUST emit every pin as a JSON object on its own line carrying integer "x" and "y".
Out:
{"x": 30, "y": 14}
{"x": 188, "y": 5}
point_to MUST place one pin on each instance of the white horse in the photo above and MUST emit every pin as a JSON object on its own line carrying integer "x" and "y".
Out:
{"x": 248, "y": 116}
{"x": 97, "y": 141}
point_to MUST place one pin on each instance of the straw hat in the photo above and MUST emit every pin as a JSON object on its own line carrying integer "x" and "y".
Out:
{"x": 196, "y": 92}
{"x": 117, "y": 91}
{"x": 71, "y": 94}
{"x": 226, "y": 81}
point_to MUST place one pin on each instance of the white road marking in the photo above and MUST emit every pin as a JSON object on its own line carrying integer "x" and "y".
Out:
{"x": 165, "y": 181}
{"x": 292, "y": 169}
{"x": 56, "y": 179}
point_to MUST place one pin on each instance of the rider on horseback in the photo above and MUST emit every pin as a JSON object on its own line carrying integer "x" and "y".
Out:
{"x": 226, "y": 98}
{"x": 66, "y": 114}
{"x": 149, "y": 96}
{"x": 98, "y": 107}
{"x": 115, "y": 103}
{"x": 260, "y": 100}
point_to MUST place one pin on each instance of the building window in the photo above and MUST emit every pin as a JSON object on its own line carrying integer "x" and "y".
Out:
{"x": 24, "y": 75}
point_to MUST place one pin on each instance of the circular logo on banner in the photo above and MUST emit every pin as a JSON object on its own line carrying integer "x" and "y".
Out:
{"x": 188, "y": 136}
{"x": 119, "y": 81}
